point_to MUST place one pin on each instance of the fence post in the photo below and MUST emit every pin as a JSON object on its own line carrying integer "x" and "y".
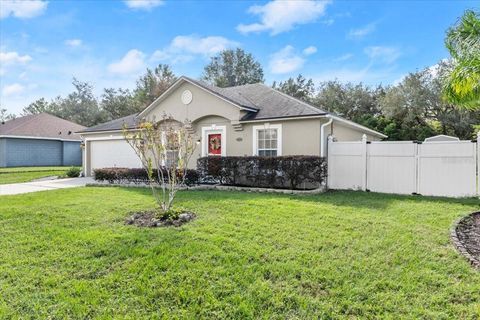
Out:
{"x": 364, "y": 160}
{"x": 329, "y": 147}
{"x": 478, "y": 163}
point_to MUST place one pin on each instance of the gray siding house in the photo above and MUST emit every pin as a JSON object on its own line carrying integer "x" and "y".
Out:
{"x": 39, "y": 140}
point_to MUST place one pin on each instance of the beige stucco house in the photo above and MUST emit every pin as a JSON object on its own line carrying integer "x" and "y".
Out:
{"x": 247, "y": 120}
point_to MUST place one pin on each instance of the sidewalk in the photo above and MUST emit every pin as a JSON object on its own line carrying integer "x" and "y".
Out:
{"x": 26, "y": 187}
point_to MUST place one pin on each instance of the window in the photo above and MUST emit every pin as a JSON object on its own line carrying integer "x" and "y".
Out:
{"x": 267, "y": 140}
{"x": 171, "y": 158}
{"x": 171, "y": 153}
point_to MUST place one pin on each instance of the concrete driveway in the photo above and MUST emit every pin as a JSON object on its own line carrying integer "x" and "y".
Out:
{"x": 26, "y": 187}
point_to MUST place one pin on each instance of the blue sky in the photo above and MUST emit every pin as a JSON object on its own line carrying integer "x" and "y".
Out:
{"x": 43, "y": 44}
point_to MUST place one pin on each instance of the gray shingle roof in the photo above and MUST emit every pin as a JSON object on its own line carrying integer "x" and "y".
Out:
{"x": 42, "y": 125}
{"x": 272, "y": 103}
{"x": 117, "y": 124}
{"x": 227, "y": 93}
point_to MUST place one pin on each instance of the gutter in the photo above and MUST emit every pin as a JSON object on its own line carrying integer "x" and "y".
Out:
{"x": 38, "y": 138}
{"x": 322, "y": 135}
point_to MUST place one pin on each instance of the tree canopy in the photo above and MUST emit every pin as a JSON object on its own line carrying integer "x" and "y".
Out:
{"x": 233, "y": 68}
{"x": 152, "y": 84}
{"x": 462, "y": 83}
{"x": 5, "y": 116}
{"x": 300, "y": 87}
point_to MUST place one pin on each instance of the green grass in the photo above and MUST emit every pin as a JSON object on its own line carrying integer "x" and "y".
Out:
{"x": 32, "y": 169}
{"x": 67, "y": 254}
{"x": 26, "y": 174}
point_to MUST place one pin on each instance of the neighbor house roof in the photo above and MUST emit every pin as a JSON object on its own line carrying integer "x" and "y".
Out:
{"x": 260, "y": 101}
{"x": 42, "y": 125}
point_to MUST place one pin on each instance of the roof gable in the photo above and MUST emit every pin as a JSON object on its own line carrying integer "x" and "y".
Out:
{"x": 221, "y": 93}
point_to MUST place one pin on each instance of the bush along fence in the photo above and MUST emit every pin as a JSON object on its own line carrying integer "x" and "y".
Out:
{"x": 138, "y": 175}
{"x": 285, "y": 172}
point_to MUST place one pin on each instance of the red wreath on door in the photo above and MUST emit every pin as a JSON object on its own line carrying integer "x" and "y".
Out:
{"x": 215, "y": 144}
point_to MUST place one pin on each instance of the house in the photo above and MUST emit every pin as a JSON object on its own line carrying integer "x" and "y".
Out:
{"x": 252, "y": 119}
{"x": 40, "y": 140}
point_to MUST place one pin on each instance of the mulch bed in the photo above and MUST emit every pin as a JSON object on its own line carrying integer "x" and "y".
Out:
{"x": 466, "y": 237}
{"x": 149, "y": 219}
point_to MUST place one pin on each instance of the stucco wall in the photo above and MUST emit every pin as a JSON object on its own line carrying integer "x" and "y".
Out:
{"x": 203, "y": 104}
{"x": 299, "y": 137}
{"x": 345, "y": 133}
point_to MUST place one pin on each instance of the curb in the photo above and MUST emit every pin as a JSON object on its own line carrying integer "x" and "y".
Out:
{"x": 475, "y": 262}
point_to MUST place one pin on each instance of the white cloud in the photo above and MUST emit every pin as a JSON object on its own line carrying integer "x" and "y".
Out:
{"x": 73, "y": 42}
{"x": 131, "y": 63}
{"x": 368, "y": 75}
{"x": 22, "y": 8}
{"x": 328, "y": 22}
{"x": 383, "y": 54}
{"x": 309, "y": 50}
{"x": 206, "y": 46}
{"x": 362, "y": 32}
{"x": 344, "y": 57}
{"x": 182, "y": 48}
{"x": 143, "y": 4}
{"x": 285, "y": 61}
{"x": 282, "y": 15}
{"x": 12, "y": 57}
{"x": 13, "y": 89}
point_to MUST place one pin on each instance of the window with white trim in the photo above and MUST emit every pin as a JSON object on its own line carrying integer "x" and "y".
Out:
{"x": 267, "y": 140}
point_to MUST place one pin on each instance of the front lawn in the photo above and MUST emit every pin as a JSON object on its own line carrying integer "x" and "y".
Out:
{"x": 67, "y": 254}
{"x": 26, "y": 174}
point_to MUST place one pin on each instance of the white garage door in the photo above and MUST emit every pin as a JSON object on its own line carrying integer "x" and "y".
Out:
{"x": 112, "y": 153}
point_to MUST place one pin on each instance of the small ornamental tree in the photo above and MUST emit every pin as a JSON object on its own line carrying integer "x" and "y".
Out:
{"x": 164, "y": 148}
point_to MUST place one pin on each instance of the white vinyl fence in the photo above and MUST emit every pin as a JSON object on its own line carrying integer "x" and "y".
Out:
{"x": 447, "y": 168}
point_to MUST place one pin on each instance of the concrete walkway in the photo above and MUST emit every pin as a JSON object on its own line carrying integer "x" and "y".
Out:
{"x": 26, "y": 187}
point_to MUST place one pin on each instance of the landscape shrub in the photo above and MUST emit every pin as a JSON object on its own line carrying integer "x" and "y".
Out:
{"x": 73, "y": 172}
{"x": 292, "y": 172}
{"x": 139, "y": 175}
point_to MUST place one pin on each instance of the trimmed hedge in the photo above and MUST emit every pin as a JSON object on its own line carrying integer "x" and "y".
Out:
{"x": 138, "y": 175}
{"x": 292, "y": 172}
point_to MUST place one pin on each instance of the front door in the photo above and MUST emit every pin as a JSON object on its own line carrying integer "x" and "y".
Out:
{"x": 213, "y": 141}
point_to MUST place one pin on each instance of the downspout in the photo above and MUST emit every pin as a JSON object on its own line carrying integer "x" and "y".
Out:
{"x": 322, "y": 136}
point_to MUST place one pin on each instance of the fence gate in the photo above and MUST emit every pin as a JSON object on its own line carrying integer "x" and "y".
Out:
{"x": 447, "y": 169}
{"x": 346, "y": 165}
{"x": 391, "y": 167}
{"x": 405, "y": 167}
